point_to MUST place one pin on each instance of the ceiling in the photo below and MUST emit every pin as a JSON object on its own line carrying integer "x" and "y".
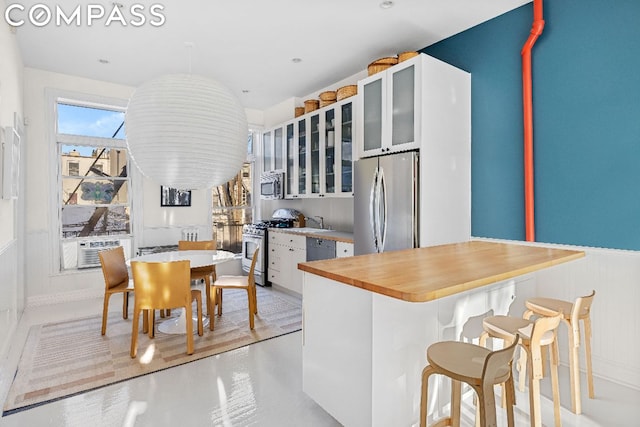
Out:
{"x": 247, "y": 45}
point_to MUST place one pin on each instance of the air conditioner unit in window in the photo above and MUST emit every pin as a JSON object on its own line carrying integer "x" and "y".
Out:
{"x": 88, "y": 251}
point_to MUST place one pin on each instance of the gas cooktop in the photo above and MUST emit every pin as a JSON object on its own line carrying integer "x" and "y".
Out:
{"x": 259, "y": 227}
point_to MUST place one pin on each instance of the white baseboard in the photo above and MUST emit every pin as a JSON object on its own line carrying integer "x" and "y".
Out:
{"x": 628, "y": 376}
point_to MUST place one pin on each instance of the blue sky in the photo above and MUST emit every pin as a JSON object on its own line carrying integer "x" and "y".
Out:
{"x": 86, "y": 121}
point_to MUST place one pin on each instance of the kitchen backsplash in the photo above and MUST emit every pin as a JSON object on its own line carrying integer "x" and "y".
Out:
{"x": 337, "y": 212}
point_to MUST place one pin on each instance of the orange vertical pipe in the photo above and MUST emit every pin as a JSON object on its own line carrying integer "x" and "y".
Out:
{"x": 536, "y": 30}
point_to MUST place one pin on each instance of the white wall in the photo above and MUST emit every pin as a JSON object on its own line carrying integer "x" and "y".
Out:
{"x": 10, "y": 103}
{"x": 164, "y": 225}
{"x": 11, "y": 211}
{"x": 41, "y": 278}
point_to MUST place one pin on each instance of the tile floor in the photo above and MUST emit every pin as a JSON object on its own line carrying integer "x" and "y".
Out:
{"x": 259, "y": 385}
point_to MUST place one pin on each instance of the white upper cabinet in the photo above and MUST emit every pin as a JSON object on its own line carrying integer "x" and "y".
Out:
{"x": 273, "y": 150}
{"x": 291, "y": 172}
{"x": 343, "y": 137}
{"x": 389, "y": 118}
{"x": 297, "y": 158}
{"x": 320, "y": 152}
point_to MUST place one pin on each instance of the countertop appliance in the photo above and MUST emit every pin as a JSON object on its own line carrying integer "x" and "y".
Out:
{"x": 386, "y": 203}
{"x": 272, "y": 185}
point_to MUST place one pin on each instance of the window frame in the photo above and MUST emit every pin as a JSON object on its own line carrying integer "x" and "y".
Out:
{"x": 56, "y": 141}
{"x": 251, "y": 159}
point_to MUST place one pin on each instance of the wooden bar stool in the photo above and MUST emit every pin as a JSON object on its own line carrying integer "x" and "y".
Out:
{"x": 476, "y": 366}
{"x": 534, "y": 335}
{"x": 574, "y": 312}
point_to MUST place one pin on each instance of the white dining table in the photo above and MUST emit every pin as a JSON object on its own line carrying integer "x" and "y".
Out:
{"x": 197, "y": 258}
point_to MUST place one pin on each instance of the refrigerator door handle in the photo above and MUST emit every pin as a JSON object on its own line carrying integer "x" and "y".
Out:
{"x": 382, "y": 209}
{"x": 372, "y": 209}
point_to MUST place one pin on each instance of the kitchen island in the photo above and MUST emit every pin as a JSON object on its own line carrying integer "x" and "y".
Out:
{"x": 369, "y": 319}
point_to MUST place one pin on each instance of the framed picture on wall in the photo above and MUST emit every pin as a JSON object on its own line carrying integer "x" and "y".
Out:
{"x": 174, "y": 197}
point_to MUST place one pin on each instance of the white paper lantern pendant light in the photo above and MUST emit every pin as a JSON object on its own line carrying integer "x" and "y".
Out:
{"x": 186, "y": 131}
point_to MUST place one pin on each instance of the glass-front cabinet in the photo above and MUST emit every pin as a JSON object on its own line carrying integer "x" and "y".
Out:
{"x": 273, "y": 150}
{"x": 267, "y": 151}
{"x": 390, "y": 110}
{"x": 319, "y": 153}
{"x": 344, "y": 157}
{"x": 291, "y": 171}
{"x": 315, "y": 151}
{"x": 278, "y": 149}
{"x": 297, "y": 159}
{"x": 302, "y": 157}
{"x": 329, "y": 167}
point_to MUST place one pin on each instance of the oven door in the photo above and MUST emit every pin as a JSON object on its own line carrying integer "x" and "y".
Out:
{"x": 250, "y": 242}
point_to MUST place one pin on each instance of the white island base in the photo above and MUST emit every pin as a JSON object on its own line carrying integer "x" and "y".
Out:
{"x": 363, "y": 352}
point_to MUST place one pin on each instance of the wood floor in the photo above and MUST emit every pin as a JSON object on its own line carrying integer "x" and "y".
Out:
{"x": 259, "y": 385}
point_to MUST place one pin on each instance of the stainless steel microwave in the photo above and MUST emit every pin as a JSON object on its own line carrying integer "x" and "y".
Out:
{"x": 272, "y": 185}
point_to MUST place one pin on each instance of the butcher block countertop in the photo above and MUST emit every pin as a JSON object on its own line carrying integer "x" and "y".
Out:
{"x": 426, "y": 274}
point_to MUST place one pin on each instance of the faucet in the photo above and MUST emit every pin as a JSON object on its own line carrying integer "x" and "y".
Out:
{"x": 313, "y": 218}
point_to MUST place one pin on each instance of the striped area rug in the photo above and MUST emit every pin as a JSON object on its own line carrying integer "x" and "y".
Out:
{"x": 71, "y": 357}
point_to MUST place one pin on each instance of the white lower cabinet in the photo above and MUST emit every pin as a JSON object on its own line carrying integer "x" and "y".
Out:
{"x": 285, "y": 252}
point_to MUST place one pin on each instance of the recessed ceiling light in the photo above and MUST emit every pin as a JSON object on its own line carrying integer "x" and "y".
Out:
{"x": 386, "y": 4}
{"x": 296, "y": 60}
{"x": 103, "y": 61}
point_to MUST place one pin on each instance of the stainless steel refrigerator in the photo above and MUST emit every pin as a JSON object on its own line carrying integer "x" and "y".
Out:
{"x": 386, "y": 203}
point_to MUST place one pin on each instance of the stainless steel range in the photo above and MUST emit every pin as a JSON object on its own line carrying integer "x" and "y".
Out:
{"x": 255, "y": 235}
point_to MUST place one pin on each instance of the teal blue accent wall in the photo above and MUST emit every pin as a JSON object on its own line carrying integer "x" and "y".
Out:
{"x": 586, "y": 96}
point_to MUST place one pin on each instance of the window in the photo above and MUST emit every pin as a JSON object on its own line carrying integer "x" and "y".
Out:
{"x": 94, "y": 189}
{"x": 94, "y": 194}
{"x": 233, "y": 205}
{"x": 74, "y": 168}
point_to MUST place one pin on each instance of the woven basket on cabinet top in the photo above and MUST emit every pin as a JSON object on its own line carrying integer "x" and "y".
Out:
{"x": 381, "y": 64}
{"x": 406, "y": 55}
{"x": 346, "y": 91}
{"x": 329, "y": 95}
{"x": 299, "y": 111}
{"x": 311, "y": 105}
{"x": 325, "y": 103}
